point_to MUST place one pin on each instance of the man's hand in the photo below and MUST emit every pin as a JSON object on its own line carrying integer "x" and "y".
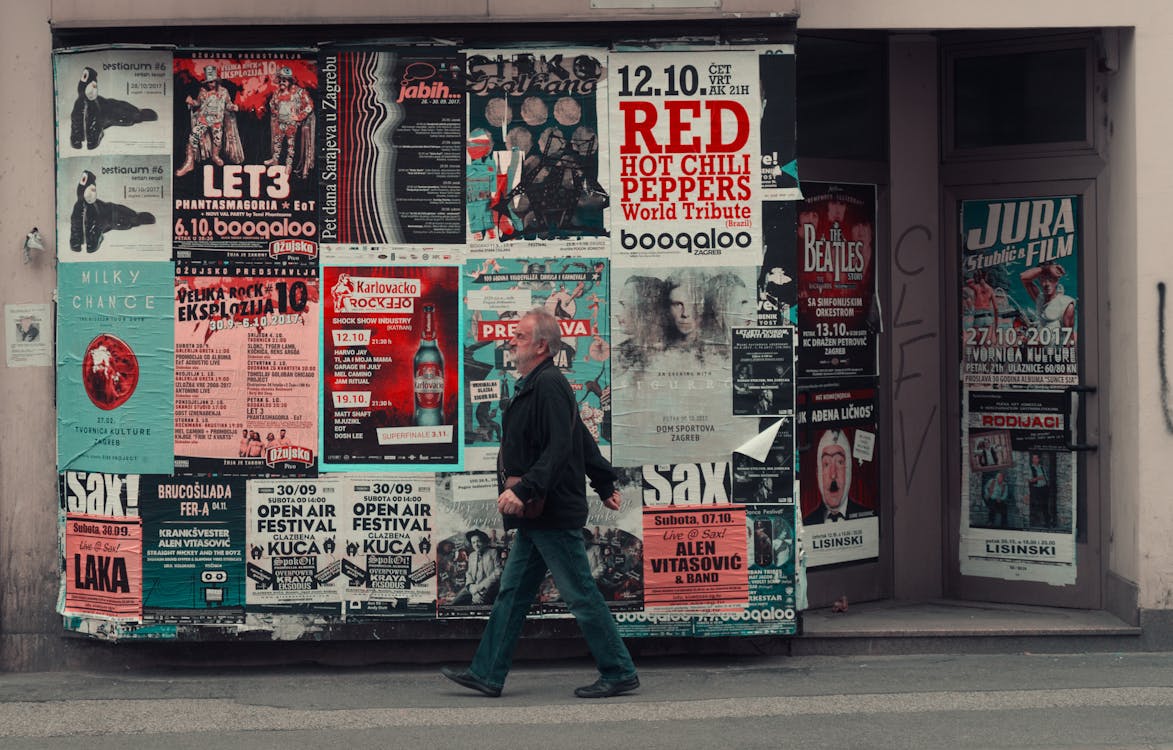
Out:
{"x": 613, "y": 502}
{"x": 510, "y": 504}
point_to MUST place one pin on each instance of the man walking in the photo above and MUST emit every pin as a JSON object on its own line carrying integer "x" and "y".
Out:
{"x": 545, "y": 453}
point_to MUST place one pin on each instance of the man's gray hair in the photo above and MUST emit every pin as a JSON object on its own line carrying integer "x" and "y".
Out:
{"x": 546, "y": 328}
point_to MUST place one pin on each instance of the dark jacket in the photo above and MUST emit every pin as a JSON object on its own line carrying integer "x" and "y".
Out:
{"x": 545, "y": 443}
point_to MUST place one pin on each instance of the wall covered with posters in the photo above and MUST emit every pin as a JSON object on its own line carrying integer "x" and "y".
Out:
{"x": 284, "y": 305}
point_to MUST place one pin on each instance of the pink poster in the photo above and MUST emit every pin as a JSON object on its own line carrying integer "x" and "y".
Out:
{"x": 104, "y": 565}
{"x": 246, "y": 375}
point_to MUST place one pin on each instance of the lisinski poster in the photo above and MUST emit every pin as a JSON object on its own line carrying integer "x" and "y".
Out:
{"x": 392, "y": 144}
{"x": 536, "y": 147}
{"x": 671, "y": 360}
{"x": 245, "y": 172}
{"x": 1020, "y": 291}
{"x": 391, "y": 364}
{"x": 294, "y": 544}
{"x": 497, "y": 294}
{"x": 102, "y": 544}
{"x": 246, "y": 377}
{"x": 115, "y": 367}
{"x": 389, "y": 565}
{"x": 686, "y": 175}
{"x": 193, "y": 549}
{"x": 1018, "y": 485}
{"x": 838, "y": 476}
{"x": 837, "y": 308}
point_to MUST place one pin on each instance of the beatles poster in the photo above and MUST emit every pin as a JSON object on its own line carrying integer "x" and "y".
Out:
{"x": 498, "y": 292}
{"x": 193, "y": 549}
{"x": 390, "y": 568}
{"x": 763, "y": 371}
{"x": 1018, "y": 487}
{"x": 686, "y": 176}
{"x": 392, "y": 145}
{"x": 246, "y": 369}
{"x": 838, "y": 474}
{"x": 672, "y": 361}
{"x": 102, "y": 544}
{"x": 391, "y": 367}
{"x": 779, "y": 167}
{"x": 115, "y": 367}
{"x": 838, "y": 311}
{"x": 245, "y": 166}
{"x": 471, "y": 548}
{"x": 294, "y": 544}
{"x": 537, "y": 149}
{"x": 1020, "y": 291}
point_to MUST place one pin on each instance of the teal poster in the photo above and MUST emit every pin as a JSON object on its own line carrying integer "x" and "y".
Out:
{"x": 498, "y": 292}
{"x": 115, "y": 367}
{"x": 193, "y": 548}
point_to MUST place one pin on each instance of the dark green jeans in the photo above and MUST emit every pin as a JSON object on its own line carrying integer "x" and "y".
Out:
{"x": 563, "y": 552}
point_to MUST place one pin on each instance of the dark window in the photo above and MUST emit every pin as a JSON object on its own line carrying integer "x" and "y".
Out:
{"x": 842, "y": 99}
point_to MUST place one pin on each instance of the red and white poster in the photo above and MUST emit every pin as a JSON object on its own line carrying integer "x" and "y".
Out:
{"x": 686, "y": 161}
{"x": 246, "y": 377}
{"x": 391, "y": 360}
{"x": 103, "y": 544}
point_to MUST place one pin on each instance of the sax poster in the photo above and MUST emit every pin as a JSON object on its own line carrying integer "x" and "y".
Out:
{"x": 294, "y": 544}
{"x": 471, "y": 548}
{"x": 390, "y": 568}
{"x": 245, "y": 168}
{"x": 1020, "y": 291}
{"x": 391, "y": 367}
{"x": 694, "y": 539}
{"x": 392, "y": 145}
{"x": 102, "y": 544}
{"x": 113, "y": 102}
{"x": 115, "y": 367}
{"x": 838, "y": 311}
{"x": 498, "y": 292}
{"x": 671, "y": 361}
{"x": 1018, "y": 487}
{"x": 839, "y": 476}
{"x": 686, "y": 173}
{"x": 246, "y": 369}
{"x": 537, "y": 149}
{"x": 193, "y": 549}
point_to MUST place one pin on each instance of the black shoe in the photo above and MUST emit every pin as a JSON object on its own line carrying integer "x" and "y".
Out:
{"x": 604, "y": 688}
{"x": 468, "y": 680}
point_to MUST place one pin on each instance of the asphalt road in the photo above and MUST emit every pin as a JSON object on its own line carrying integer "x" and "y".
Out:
{"x": 953, "y": 702}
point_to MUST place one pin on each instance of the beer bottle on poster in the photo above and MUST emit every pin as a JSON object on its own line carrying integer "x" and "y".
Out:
{"x": 428, "y": 366}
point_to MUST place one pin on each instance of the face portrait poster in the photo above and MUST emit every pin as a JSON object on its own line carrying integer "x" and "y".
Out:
{"x": 245, "y": 169}
{"x": 694, "y": 539}
{"x": 686, "y": 169}
{"x": 838, "y": 475}
{"x": 193, "y": 549}
{"x": 246, "y": 369}
{"x": 114, "y": 101}
{"x": 471, "y": 548}
{"x": 392, "y": 145}
{"x": 498, "y": 292}
{"x": 671, "y": 361}
{"x": 391, "y": 368}
{"x": 115, "y": 367}
{"x": 777, "y": 69}
{"x": 102, "y": 544}
{"x": 777, "y": 289}
{"x": 763, "y": 371}
{"x": 390, "y": 568}
{"x": 294, "y": 544}
{"x": 1018, "y": 487}
{"x": 1020, "y": 290}
{"x": 837, "y": 308}
{"x": 536, "y": 148}
{"x": 28, "y": 335}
